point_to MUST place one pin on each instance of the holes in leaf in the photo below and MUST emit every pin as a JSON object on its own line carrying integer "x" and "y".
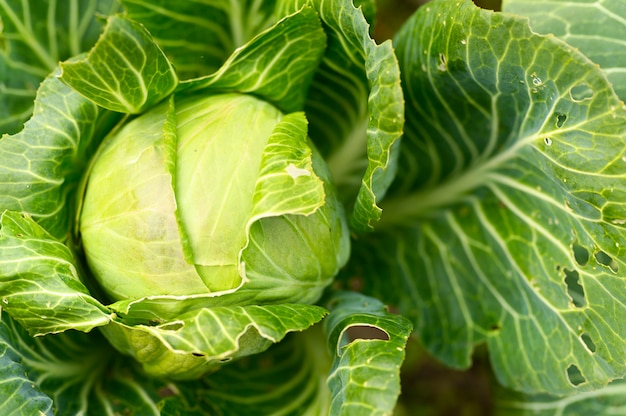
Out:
{"x": 581, "y": 254}
{"x": 560, "y": 119}
{"x": 363, "y": 331}
{"x": 495, "y": 327}
{"x": 443, "y": 63}
{"x": 574, "y": 289}
{"x": 197, "y": 354}
{"x": 606, "y": 260}
{"x": 575, "y": 376}
{"x": 586, "y": 339}
{"x": 581, "y": 92}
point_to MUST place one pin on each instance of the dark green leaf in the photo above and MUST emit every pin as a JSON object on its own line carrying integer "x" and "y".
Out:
{"x": 272, "y": 65}
{"x": 609, "y": 400}
{"x": 288, "y": 379}
{"x": 18, "y": 393}
{"x": 213, "y": 30}
{"x": 34, "y": 37}
{"x": 506, "y": 222}
{"x": 80, "y": 372}
{"x": 597, "y": 28}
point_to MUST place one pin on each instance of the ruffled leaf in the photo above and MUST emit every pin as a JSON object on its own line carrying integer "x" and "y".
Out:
{"x": 202, "y": 340}
{"x": 39, "y": 283}
{"x": 368, "y": 344}
{"x": 125, "y": 71}
{"x": 41, "y": 165}
{"x": 355, "y": 109}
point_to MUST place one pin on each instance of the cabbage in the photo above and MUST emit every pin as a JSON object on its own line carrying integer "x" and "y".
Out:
{"x": 176, "y": 213}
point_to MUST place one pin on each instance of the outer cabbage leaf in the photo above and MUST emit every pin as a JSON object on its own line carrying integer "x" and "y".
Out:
{"x": 41, "y": 165}
{"x": 125, "y": 71}
{"x": 72, "y": 374}
{"x": 355, "y": 108}
{"x": 202, "y": 340}
{"x": 608, "y": 400}
{"x": 295, "y": 369}
{"x": 39, "y": 282}
{"x": 273, "y": 65}
{"x": 597, "y": 28}
{"x": 213, "y": 29}
{"x": 367, "y": 345}
{"x": 75, "y": 373}
{"x": 33, "y": 41}
{"x": 18, "y": 395}
{"x": 506, "y": 222}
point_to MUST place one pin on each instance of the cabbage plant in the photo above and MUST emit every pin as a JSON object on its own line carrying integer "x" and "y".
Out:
{"x": 253, "y": 207}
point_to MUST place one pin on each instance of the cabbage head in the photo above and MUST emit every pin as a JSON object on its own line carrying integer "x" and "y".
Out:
{"x": 176, "y": 205}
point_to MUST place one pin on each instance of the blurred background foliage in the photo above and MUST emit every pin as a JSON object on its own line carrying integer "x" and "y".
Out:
{"x": 392, "y": 13}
